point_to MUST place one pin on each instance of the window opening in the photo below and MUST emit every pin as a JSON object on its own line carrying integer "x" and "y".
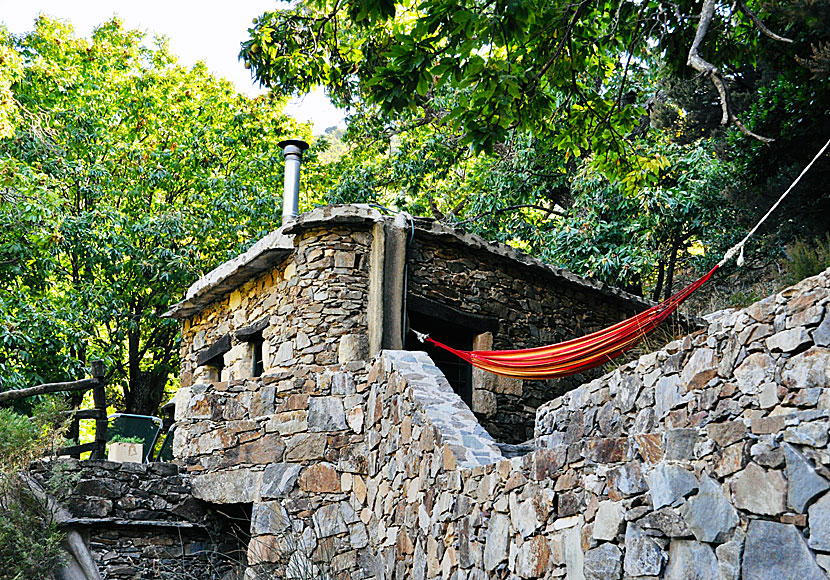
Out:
{"x": 256, "y": 355}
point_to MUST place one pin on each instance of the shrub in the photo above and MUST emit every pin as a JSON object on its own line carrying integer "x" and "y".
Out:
{"x": 29, "y": 537}
{"x": 808, "y": 259}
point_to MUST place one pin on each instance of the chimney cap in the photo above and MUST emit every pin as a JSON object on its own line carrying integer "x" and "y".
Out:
{"x": 298, "y": 143}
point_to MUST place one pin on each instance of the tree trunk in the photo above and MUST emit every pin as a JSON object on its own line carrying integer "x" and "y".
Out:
{"x": 146, "y": 390}
{"x": 670, "y": 267}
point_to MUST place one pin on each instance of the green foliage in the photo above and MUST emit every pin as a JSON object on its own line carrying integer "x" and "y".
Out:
{"x": 29, "y": 538}
{"x": 807, "y": 259}
{"x": 131, "y": 177}
{"x": 124, "y": 439}
{"x": 575, "y": 131}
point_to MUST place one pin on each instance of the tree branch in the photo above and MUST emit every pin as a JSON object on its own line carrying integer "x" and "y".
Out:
{"x": 510, "y": 208}
{"x": 706, "y": 68}
{"x": 760, "y": 25}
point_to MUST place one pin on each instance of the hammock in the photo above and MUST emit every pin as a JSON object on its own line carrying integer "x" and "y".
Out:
{"x": 581, "y": 354}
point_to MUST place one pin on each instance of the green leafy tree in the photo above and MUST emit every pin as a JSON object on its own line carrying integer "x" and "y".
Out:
{"x": 129, "y": 178}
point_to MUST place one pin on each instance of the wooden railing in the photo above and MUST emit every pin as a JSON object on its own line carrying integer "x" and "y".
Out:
{"x": 99, "y": 412}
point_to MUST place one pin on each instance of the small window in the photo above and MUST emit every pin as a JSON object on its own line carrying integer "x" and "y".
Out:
{"x": 214, "y": 357}
{"x": 252, "y": 334}
{"x": 256, "y": 355}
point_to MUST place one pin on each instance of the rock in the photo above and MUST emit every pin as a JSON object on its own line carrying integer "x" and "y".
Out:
{"x": 769, "y": 396}
{"x": 789, "y": 340}
{"x": 527, "y": 520}
{"x": 353, "y": 347}
{"x": 269, "y": 517}
{"x": 667, "y": 395}
{"x": 603, "y": 563}
{"x": 669, "y": 484}
{"x": 284, "y": 354}
{"x": 690, "y": 560}
{"x": 496, "y": 541}
{"x": 573, "y": 555}
{"x": 320, "y": 478}
{"x": 774, "y": 551}
{"x": 804, "y": 482}
{"x": 821, "y": 335}
{"x": 532, "y": 558}
{"x": 730, "y": 460}
{"x": 709, "y": 514}
{"x": 234, "y": 486}
{"x": 650, "y": 446}
{"x": 726, "y": 433}
{"x": 485, "y": 402}
{"x": 279, "y": 479}
{"x": 326, "y": 414}
{"x": 811, "y": 434}
{"x": 627, "y": 479}
{"x": 643, "y": 556}
{"x": 819, "y": 522}
{"x": 729, "y": 557}
{"x": 667, "y": 521}
{"x": 306, "y": 447}
{"x": 758, "y": 491}
{"x": 627, "y": 394}
{"x": 808, "y": 369}
{"x": 266, "y": 449}
{"x": 680, "y": 444}
{"x": 354, "y": 417}
{"x": 767, "y": 452}
{"x": 328, "y": 521}
{"x": 756, "y": 369}
{"x": 358, "y": 536}
{"x": 608, "y": 520}
{"x": 702, "y": 366}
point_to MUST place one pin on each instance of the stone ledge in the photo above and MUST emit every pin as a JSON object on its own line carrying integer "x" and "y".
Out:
{"x": 459, "y": 428}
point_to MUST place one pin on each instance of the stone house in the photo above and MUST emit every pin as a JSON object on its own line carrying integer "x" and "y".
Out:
{"x": 337, "y": 285}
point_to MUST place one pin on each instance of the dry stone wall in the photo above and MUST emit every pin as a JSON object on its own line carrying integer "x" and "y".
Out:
{"x": 141, "y": 521}
{"x": 533, "y": 307}
{"x": 707, "y": 459}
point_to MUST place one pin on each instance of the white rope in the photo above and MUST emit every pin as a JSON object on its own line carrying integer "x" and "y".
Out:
{"x": 730, "y": 253}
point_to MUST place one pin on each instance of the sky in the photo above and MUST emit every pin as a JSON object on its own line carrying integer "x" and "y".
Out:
{"x": 208, "y": 31}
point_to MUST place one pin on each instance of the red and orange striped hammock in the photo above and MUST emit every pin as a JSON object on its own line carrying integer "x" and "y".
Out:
{"x": 579, "y": 354}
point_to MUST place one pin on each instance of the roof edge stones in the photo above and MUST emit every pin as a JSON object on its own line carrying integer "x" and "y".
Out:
{"x": 279, "y": 244}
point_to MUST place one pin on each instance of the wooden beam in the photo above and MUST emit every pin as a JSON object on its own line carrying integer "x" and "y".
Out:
{"x": 15, "y": 394}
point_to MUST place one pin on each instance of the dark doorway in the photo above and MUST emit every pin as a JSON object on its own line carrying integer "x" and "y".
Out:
{"x": 453, "y": 328}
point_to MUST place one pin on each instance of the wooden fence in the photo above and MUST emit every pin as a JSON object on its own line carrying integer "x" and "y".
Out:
{"x": 99, "y": 412}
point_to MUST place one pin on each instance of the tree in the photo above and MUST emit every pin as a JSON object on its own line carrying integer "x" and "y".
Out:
{"x": 130, "y": 177}
{"x": 512, "y": 118}
{"x": 526, "y": 65}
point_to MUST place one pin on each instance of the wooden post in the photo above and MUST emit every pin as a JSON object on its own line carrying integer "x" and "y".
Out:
{"x": 99, "y": 397}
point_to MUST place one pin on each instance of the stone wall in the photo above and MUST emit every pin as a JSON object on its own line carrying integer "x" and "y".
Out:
{"x": 533, "y": 305}
{"x": 141, "y": 520}
{"x": 707, "y": 459}
{"x": 313, "y": 306}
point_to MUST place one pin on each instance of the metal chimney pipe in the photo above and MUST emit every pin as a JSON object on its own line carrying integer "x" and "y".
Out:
{"x": 292, "y": 151}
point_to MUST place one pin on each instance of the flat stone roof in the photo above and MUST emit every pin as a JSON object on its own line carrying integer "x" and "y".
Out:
{"x": 278, "y": 245}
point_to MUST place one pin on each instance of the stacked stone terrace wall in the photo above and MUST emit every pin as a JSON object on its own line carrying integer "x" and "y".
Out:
{"x": 707, "y": 459}
{"x": 532, "y": 306}
{"x": 141, "y": 520}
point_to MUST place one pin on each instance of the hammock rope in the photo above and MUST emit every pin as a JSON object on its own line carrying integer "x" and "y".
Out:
{"x": 597, "y": 348}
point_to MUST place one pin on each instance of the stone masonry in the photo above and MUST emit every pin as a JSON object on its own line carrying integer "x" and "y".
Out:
{"x": 706, "y": 459}
{"x": 141, "y": 521}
